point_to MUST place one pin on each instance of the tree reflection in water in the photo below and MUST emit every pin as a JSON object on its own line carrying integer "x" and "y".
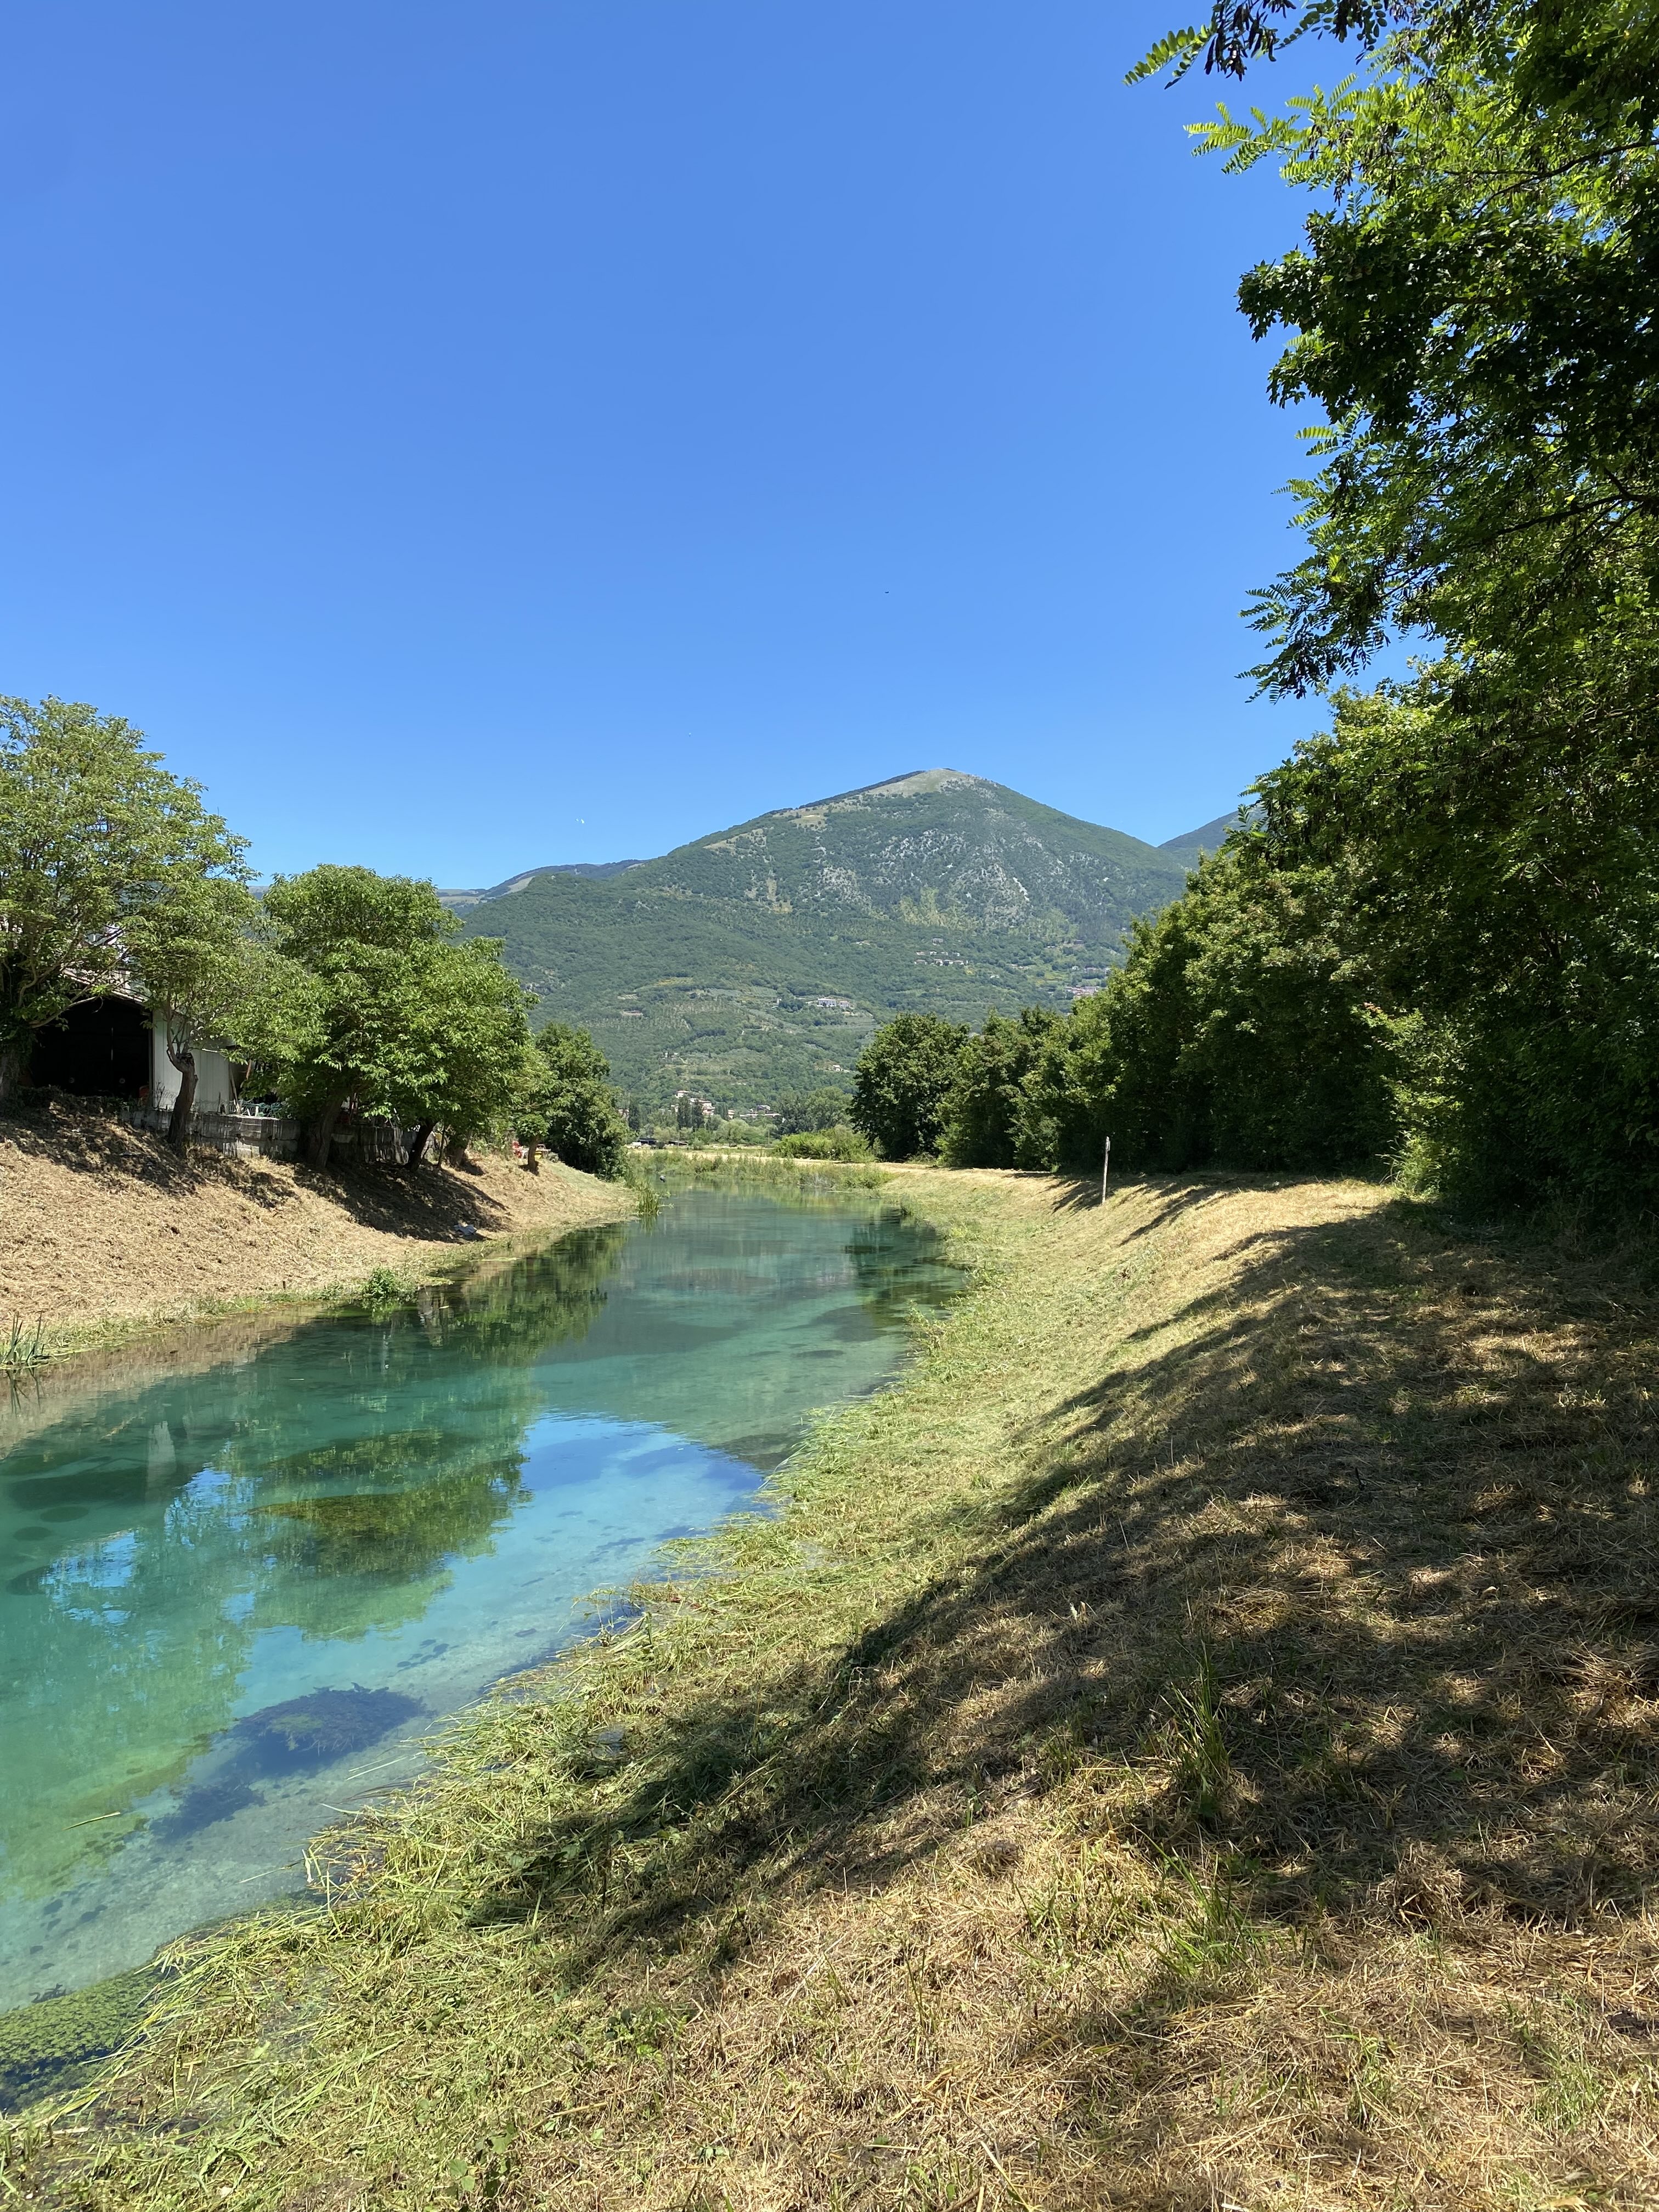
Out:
{"x": 324, "y": 1485}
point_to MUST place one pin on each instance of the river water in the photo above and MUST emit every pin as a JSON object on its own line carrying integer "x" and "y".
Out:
{"x": 236, "y": 1595}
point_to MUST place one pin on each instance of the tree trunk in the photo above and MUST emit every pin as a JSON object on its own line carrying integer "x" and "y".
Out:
{"x": 14, "y": 1052}
{"x": 418, "y": 1142}
{"x": 319, "y": 1135}
{"x": 533, "y": 1155}
{"x": 184, "y": 1106}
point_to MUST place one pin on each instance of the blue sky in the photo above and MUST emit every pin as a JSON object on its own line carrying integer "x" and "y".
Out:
{"x": 473, "y": 437}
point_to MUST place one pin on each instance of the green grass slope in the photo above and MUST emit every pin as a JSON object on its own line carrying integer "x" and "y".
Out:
{"x": 703, "y": 970}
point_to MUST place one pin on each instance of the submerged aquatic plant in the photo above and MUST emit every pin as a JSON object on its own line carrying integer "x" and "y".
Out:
{"x": 56, "y": 2042}
{"x": 205, "y": 1804}
{"x": 323, "y": 1724}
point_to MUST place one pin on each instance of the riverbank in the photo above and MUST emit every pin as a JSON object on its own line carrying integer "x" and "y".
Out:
{"x": 105, "y": 1232}
{"x": 1191, "y": 1744}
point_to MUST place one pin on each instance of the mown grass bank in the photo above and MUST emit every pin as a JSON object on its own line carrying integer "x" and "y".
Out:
{"x": 106, "y": 1235}
{"x": 1192, "y": 1745}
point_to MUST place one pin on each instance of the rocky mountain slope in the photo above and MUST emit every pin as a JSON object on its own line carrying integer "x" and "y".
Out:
{"x": 934, "y": 844}
{"x": 760, "y": 958}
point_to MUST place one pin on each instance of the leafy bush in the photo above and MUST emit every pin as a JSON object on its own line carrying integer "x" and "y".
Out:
{"x": 842, "y": 1144}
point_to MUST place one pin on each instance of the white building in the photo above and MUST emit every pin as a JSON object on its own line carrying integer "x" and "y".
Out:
{"x": 215, "y": 1086}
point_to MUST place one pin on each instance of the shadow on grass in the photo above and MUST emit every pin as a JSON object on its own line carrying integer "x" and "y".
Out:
{"x": 433, "y": 1203}
{"x": 430, "y": 1204}
{"x": 1354, "y": 1583}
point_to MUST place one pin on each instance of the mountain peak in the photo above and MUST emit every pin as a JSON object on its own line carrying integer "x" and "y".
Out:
{"x": 760, "y": 957}
{"x": 917, "y": 784}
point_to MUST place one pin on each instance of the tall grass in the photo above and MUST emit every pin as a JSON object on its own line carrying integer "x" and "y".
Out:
{"x": 647, "y": 1198}
{"x": 22, "y": 1348}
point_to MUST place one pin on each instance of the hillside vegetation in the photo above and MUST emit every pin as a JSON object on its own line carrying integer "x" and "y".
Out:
{"x": 1184, "y": 1747}
{"x": 703, "y": 970}
{"x": 1192, "y": 845}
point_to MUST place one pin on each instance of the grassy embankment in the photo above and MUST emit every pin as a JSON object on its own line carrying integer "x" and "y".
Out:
{"x": 1191, "y": 1745}
{"x": 103, "y": 1231}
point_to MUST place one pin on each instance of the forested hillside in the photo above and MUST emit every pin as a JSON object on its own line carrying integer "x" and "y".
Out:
{"x": 705, "y": 969}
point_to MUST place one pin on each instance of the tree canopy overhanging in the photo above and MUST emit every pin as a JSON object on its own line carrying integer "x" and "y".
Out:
{"x": 1471, "y": 311}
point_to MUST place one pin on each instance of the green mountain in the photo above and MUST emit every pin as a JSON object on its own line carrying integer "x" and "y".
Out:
{"x": 761, "y": 958}
{"x": 458, "y": 902}
{"x": 1186, "y": 848}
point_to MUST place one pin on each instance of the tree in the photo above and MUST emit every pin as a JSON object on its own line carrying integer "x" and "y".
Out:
{"x": 801, "y": 1113}
{"x": 576, "y": 1108}
{"x": 347, "y": 1013}
{"x": 193, "y": 953}
{"x": 471, "y": 1033}
{"x": 1501, "y": 884}
{"x": 1243, "y": 31}
{"x": 1470, "y": 312}
{"x": 1470, "y": 309}
{"x": 903, "y": 1082}
{"x": 532, "y": 1104}
{"x": 1240, "y": 32}
{"x": 1238, "y": 1031}
{"x": 94, "y": 832}
{"x": 989, "y": 1122}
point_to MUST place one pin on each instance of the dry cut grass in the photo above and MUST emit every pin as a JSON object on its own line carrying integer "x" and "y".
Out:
{"x": 100, "y": 1223}
{"x": 1193, "y": 1746}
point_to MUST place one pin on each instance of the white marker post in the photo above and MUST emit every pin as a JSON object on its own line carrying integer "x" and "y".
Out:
{"x": 1105, "y": 1170}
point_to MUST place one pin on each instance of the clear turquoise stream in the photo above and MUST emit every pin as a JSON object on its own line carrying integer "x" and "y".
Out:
{"x": 235, "y": 1600}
